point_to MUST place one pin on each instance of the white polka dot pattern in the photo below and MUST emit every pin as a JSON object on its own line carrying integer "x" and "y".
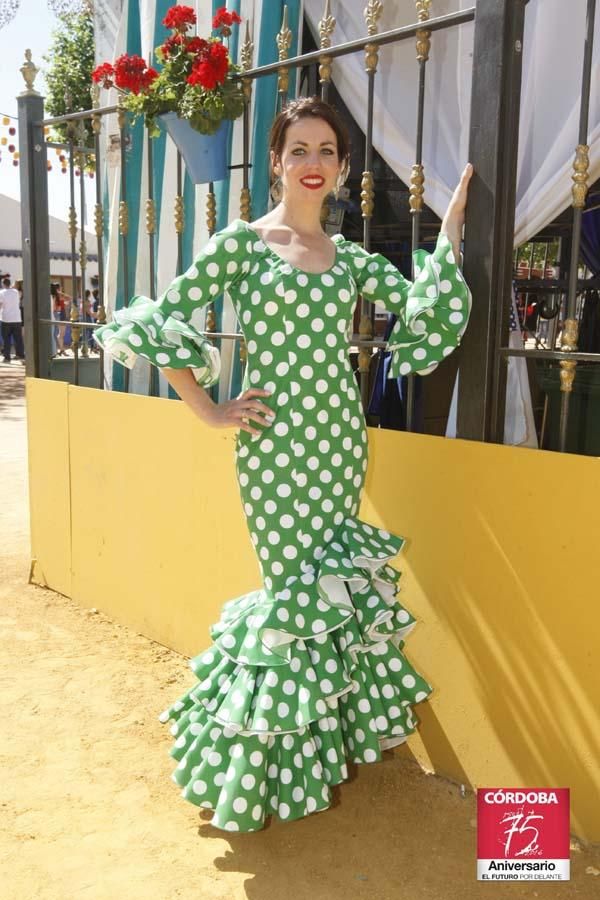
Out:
{"x": 308, "y": 671}
{"x": 432, "y": 313}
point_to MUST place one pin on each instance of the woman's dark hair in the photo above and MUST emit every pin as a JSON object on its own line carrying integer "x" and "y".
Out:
{"x": 306, "y": 108}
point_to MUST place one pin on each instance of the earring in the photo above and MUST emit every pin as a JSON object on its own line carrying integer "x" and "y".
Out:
{"x": 277, "y": 189}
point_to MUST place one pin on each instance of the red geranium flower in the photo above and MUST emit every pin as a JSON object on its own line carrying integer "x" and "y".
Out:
{"x": 212, "y": 68}
{"x": 180, "y": 18}
{"x": 196, "y": 45}
{"x": 132, "y": 74}
{"x": 171, "y": 43}
{"x": 222, "y": 17}
{"x": 103, "y": 74}
{"x": 149, "y": 75}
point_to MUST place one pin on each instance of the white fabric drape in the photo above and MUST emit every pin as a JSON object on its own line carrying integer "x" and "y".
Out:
{"x": 111, "y": 23}
{"x": 548, "y": 131}
{"x": 552, "y": 64}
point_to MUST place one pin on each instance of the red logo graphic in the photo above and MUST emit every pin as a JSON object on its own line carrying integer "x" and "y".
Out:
{"x": 529, "y": 826}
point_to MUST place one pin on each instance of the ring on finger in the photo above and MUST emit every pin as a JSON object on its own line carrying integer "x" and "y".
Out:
{"x": 245, "y": 420}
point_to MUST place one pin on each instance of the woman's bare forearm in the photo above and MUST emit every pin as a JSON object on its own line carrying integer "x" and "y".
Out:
{"x": 183, "y": 382}
{"x": 453, "y": 221}
{"x": 246, "y": 412}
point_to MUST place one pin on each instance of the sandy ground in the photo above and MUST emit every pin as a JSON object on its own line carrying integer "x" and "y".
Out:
{"x": 88, "y": 807}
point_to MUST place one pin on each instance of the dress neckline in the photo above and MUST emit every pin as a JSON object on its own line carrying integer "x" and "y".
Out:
{"x": 287, "y": 262}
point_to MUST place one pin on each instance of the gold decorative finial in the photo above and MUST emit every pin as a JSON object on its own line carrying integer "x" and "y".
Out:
{"x": 179, "y": 214}
{"x": 150, "y": 216}
{"x": 211, "y": 212}
{"x": 245, "y": 201}
{"x": 284, "y": 42}
{"x": 96, "y": 119}
{"x": 423, "y": 34}
{"x": 568, "y": 343}
{"x": 29, "y": 71}
{"x": 326, "y": 27}
{"x": 75, "y": 329}
{"x": 581, "y": 166}
{"x": 247, "y": 50}
{"x": 72, "y": 220}
{"x": 417, "y": 189}
{"x": 98, "y": 220}
{"x": 372, "y": 14}
{"x": 121, "y": 115}
{"x": 123, "y": 217}
{"x": 423, "y": 9}
{"x": 284, "y": 38}
{"x": 246, "y": 54}
{"x": 211, "y": 321}
{"x": 367, "y": 194}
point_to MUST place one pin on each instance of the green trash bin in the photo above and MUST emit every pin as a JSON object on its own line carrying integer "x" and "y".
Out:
{"x": 583, "y": 424}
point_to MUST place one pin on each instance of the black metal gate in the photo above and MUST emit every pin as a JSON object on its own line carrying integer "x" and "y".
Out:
{"x": 488, "y": 255}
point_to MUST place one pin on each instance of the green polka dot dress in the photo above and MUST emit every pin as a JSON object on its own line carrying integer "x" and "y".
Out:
{"x": 307, "y": 671}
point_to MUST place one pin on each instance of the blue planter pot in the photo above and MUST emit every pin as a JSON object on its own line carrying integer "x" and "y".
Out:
{"x": 205, "y": 155}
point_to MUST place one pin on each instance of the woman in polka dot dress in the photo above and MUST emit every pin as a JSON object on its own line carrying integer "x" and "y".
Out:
{"x": 308, "y": 671}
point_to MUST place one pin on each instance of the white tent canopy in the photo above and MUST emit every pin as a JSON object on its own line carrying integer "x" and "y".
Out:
{"x": 548, "y": 134}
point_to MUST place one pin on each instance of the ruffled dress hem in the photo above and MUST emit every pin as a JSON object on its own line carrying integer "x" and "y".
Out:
{"x": 296, "y": 684}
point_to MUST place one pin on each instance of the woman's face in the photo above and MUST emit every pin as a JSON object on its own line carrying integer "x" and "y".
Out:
{"x": 309, "y": 166}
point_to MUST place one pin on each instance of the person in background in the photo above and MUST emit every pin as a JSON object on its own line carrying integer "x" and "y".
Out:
{"x": 87, "y": 315}
{"x": 95, "y": 308}
{"x": 67, "y": 336}
{"x": 19, "y": 287}
{"x": 58, "y": 312}
{"x": 10, "y": 316}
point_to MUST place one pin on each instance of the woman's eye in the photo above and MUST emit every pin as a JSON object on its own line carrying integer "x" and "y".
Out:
{"x": 300, "y": 150}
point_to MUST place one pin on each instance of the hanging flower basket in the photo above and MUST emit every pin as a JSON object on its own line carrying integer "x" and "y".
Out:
{"x": 196, "y": 89}
{"x": 204, "y": 155}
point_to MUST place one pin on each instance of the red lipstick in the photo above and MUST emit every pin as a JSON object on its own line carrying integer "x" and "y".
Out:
{"x": 312, "y": 182}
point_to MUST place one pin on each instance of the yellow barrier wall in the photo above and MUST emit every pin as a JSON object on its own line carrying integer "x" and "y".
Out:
{"x": 501, "y": 568}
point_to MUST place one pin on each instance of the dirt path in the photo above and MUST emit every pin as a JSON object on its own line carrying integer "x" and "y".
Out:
{"x": 88, "y": 808}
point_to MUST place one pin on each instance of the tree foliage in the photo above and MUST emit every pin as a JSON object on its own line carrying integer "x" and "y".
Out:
{"x": 68, "y": 74}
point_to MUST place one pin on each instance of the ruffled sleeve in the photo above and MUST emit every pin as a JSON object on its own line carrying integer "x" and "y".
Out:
{"x": 168, "y": 331}
{"x": 432, "y": 312}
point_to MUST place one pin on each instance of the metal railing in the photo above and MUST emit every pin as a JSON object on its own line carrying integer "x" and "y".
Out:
{"x": 324, "y": 57}
{"x": 488, "y": 248}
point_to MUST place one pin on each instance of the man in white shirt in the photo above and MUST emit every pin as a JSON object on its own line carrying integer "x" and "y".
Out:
{"x": 10, "y": 318}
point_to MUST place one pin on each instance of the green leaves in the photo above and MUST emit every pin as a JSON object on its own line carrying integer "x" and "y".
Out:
{"x": 68, "y": 74}
{"x": 206, "y": 109}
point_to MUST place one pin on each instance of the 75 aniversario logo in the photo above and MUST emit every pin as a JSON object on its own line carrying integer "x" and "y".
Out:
{"x": 523, "y": 834}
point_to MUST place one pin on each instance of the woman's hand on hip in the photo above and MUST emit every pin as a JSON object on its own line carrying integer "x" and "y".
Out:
{"x": 242, "y": 411}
